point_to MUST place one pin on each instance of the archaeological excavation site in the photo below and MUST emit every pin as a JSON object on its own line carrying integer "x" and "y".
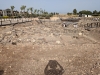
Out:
{"x": 31, "y": 46}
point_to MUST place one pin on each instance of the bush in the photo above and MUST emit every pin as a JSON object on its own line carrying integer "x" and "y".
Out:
{"x": 18, "y": 17}
{"x": 41, "y": 17}
{"x": 34, "y": 15}
{"x": 5, "y": 17}
{"x": 14, "y": 17}
{"x": 95, "y": 15}
{"x": 44, "y": 15}
{"x": 47, "y": 17}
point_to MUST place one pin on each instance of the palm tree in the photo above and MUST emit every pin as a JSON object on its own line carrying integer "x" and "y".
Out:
{"x": 12, "y": 8}
{"x": 35, "y": 10}
{"x": 23, "y": 9}
{"x": 31, "y": 9}
{"x": 38, "y": 11}
{"x": 42, "y": 11}
{"x": 28, "y": 11}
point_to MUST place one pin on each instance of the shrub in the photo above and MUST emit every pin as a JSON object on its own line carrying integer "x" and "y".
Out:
{"x": 41, "y": 17}
{"x": 5, "y": 17}
{"x": 47, "y": 17}
{"x": 14, "y": 16}
{"x": 95, "y": 15}
{"x": 18, "y": 17}
{"x": 34, "y": 15}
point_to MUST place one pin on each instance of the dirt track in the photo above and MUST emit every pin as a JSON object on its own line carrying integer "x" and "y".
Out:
{"x": 36, "y": 44}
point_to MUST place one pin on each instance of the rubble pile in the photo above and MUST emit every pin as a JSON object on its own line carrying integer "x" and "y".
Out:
{"x": 37, "y": 33}
{"x": 29, "y": 33}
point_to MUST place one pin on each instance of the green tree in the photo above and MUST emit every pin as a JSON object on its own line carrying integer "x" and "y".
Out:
{"x": 45, "y": 12}
{"x": 41, "y": 11}
{"x": 28, "y": 12}
{"x": 99, "y": 12}
{"x": 12, "y": 8}
{"x": 21, "y": 8}
{"x": 85, "y": 12}
{"x": 54, "y": 13}
{"x": 69, "y": 13}
{"x": 24, "y": 7}
{"x": 38, "y": 11}
{"x": 51, "y": 13}
{"x": 74, "y": 11}
{"x": 35, "y": 11}
{"x": 95, "y": 12}
{"x": 31, "y": 9}
{"x": 57, "y": 13}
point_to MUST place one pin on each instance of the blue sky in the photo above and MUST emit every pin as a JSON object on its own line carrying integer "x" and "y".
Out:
{"x": 61, "y": 6}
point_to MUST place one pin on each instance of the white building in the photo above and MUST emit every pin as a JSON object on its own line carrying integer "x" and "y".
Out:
{"x": 84, "y": 15}
{"x": 7, "y": 12}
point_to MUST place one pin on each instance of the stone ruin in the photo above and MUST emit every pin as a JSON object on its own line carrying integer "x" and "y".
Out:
{"x": 36, "y": 31}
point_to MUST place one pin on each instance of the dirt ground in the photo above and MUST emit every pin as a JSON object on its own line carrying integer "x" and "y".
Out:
{"x": 26, "y": 49}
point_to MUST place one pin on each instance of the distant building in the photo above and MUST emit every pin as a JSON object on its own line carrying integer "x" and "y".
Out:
{"x": 8, "y": 12}
{"x": 15, "y": 13}
{"x": 84, "y": 15}
{"x": 1, "y": 12}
